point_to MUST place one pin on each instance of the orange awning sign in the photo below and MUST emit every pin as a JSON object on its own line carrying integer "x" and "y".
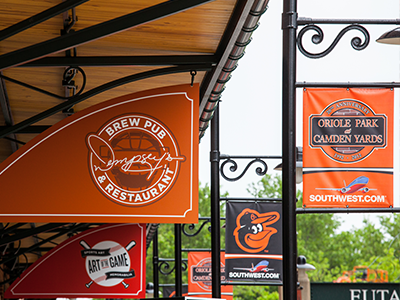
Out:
{"x": 131, "y": 159}
{"x": 348, "y": 147}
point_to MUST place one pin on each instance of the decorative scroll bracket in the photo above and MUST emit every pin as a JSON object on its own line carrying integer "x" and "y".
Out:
{"x": 261, "y": 171}
{"x": 165, "y": 268}
{"x": 66, "y": 75}
{"x": 356, "y": 42}
{"x": 191, "y": 227}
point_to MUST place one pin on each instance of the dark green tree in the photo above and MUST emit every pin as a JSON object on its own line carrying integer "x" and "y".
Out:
{"x": 255, "y": 292}
{"x": 391, "y": 225}
{"x": 384, "y": 254}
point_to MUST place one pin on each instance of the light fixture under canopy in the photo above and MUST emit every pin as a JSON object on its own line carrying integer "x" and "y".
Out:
{"x": 390, "y": 37}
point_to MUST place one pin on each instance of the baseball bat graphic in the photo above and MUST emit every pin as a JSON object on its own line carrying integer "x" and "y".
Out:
{"x": 86, "y": 246}
{"x": 130, "y": 245}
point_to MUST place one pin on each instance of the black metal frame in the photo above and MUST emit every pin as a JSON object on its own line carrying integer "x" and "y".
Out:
{"x": 113, "y": 61}
{"x": 72, "y": 39}
{"x": 11, "y": 234}
{"x": 39, "y": 18}
{"x": 215, "y": 213}
{"x": 289, "y": 27}
{"x": 217, "y": 170}
{"x": 261, "y": 171}
{"x": 218, "y": 66}
{"x": 5, "y": 107}
{"x": 84, "y": 96}
{"x": 290, "y": 22}
{"x": 209, "y": 95}
{"x": 236, "y": 37}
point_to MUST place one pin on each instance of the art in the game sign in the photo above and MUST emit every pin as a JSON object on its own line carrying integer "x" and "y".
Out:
{"x": 130, "y": 159}
{"x": 348, "y": 147}
{"x": 107, "y": 261}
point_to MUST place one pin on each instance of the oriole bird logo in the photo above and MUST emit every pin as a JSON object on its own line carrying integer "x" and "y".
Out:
{"x": 252, "y": 232}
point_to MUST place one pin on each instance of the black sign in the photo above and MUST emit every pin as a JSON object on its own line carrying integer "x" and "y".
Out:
{"x": 348, "y": 131}
{"x": 355, "y": 291}
{"x": 253, "y": 242}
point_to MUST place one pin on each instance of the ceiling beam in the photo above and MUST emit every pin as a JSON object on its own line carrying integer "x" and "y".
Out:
{"x": 113, "y": 61}
{"x": 95, "y": 32}
{"x": 34, "y": 247}
{"x": 29, "y": 232}
{"x": 5, "y": 107}
{"x": 8, "y": 229}
{"x": 102, "y": 88}
{"x": 39, "y": 18}
{"x": 35, "y": 129}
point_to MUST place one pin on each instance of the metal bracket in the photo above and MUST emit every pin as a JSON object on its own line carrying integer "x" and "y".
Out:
{"x": 193, "y": 74}
{"x": 260, "y": 171}
{"x": 356, "y": 42}
{"x": 289, "y": 20}
{"x": 214, "y": 156}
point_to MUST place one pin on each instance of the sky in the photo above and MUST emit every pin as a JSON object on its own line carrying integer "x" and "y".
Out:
{"x": 250, "y": 110}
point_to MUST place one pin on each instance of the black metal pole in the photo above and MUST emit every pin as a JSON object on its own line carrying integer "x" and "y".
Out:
{"x": 178, "y": 260}
{"x": 348, "y": 84}
{"x": 215, "y": 202}
{"x": 155, "y": 265}
{"x": 306, "y": 21}
{"x": 289, "y": 26}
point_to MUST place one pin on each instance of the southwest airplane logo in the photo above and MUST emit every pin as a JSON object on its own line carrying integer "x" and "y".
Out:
{"x": 357, "y": 185}
{"x": 262, "y": 266}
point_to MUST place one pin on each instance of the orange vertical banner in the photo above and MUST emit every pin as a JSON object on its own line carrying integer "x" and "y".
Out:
{"x": 348, "y": 147}
{"x": 199, "y": 284}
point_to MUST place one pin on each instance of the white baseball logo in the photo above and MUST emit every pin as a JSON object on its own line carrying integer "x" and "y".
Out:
{"x": 107, "y": 263}
{"x": 133, "y": 159}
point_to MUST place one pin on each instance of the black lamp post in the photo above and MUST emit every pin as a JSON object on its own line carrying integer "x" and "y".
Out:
{"x": 289, "y": 28}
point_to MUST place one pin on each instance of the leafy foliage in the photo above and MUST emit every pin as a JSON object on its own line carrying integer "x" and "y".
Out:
{"x": 255, "y": 292}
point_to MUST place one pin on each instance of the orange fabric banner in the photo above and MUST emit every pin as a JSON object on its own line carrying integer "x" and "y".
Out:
{"x": 348, "y": 147}
{"x": 199, "y": 284}
{"x": 133, "y": 159}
